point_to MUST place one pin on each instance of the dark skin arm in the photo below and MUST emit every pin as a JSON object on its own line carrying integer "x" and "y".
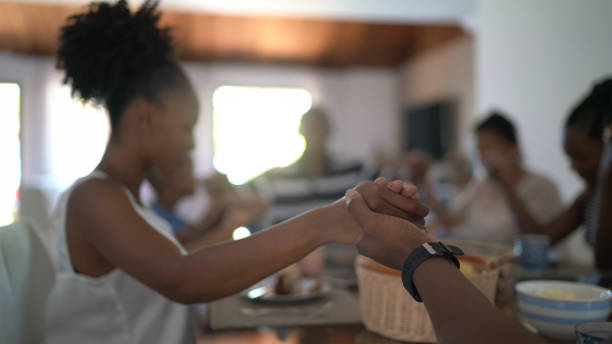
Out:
{"x": 104, "y": 232}
{"x": 603, "y": 242}
{"x": 459, "y": 312}
{"x": 558, "y": 228}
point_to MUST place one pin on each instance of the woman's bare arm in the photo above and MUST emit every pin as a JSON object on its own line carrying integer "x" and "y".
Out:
{"x": 102, "y": 215}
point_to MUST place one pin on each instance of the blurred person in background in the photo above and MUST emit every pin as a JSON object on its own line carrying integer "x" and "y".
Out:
{"x": 586, "y": 143}
{"x": 482, "y": 211}
{"x": 453, "y": 174}
{"x": 122, "y": 276}
{"x": 315, "y": 179}
{"x": 227, "y": 209}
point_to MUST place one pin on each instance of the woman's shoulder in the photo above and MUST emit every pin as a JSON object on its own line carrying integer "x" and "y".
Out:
{"x": 94, "y": 193}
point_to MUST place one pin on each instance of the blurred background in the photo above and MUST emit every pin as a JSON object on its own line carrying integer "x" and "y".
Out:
{"x": 393, "y": 75}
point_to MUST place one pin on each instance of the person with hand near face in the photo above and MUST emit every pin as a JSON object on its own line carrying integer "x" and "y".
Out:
{"x": 483, "y": 211}
{"x": 590, "y": 153}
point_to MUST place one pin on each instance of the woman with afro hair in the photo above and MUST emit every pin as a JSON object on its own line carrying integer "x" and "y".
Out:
{"x": 122, "y": 276}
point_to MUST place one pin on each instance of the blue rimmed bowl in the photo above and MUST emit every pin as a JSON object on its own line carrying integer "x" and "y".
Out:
{"x": 556, "y": 317}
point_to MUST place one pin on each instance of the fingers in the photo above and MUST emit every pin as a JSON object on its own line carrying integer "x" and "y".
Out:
{"x": 410, "y": 191}
{"x": 358, "y": 208}
{"x": 382, "y": 199}
{"x": 396, "y": 186}
{"x": 405, "y": 188}
{"x": 407, "y": 204}
{"x": 378, "y": 224}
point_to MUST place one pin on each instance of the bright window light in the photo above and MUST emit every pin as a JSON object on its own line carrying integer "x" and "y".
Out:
{"x": 256, "y": 129}
{"x": 79, "y": 133}
{"x": 10, "y": 173}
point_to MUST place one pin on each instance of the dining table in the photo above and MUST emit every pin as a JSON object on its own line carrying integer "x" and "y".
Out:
{"x": 337, "y": 319}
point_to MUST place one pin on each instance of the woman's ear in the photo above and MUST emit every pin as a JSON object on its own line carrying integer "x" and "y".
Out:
{"x": 141, "y": 111}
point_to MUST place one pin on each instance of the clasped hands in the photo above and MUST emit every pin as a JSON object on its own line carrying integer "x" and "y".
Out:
{"x": 388, "y": 220}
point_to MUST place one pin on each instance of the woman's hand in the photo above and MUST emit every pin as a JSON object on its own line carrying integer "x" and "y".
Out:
{"x": 393, "y": 198}
{"x": 387, "y": 239}
{"x": 501, "y": 166}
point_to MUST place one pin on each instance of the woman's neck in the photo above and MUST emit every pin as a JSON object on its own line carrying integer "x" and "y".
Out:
{"x": 124, "y": 166}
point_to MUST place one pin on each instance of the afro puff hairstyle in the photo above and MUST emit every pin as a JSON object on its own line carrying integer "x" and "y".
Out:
{"x": 111, "y": 56}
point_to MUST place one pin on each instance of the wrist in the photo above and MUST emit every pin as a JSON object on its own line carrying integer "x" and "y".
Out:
{"x": 325, "y": 219}
{"x": 432, "y": 266}
{"x": 420, "y": 260}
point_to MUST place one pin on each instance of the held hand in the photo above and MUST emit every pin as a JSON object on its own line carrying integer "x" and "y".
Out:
{"x": 387, "y": 239}
{"x": 394, "y": 198}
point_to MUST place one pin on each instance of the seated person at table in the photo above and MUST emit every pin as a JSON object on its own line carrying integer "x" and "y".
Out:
{"x": 122, "y": 276}
{"x": 482, "y": 212}
{"x": 315, "y": 179}
{"x": 227, "y": 210}
{"x": 584, "y": 146}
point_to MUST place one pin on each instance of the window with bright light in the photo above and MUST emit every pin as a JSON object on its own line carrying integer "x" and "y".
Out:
{"x": 256, "y": 129}
{"x": 10, "y": 173}
{"x": 79, "y": 133}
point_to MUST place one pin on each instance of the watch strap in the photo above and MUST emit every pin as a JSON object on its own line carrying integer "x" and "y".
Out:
{"x": 419, "y": 255}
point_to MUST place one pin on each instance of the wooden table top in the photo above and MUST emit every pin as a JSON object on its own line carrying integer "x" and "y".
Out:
{"x": 357, "y": 334}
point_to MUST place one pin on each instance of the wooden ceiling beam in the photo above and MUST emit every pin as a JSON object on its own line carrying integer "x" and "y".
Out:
{"x": 34, "y": 28}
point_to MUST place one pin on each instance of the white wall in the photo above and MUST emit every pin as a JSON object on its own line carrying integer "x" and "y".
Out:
{"x": 444, "y": 72}
{"x": 535, "y": 59}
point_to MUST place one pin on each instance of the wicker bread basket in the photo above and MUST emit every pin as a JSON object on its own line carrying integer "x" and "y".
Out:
{"x": 389, "y": 310}
{"x": 505, "y": 256}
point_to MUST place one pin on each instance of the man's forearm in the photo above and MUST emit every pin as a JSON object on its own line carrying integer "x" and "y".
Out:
{"x": 459, "y": 312}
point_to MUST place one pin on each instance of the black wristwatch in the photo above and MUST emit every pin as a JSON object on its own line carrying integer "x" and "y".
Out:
{"x": 422, "y": 253}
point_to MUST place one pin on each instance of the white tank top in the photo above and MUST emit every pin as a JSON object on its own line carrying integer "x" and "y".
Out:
{"x": 114, "y": 308}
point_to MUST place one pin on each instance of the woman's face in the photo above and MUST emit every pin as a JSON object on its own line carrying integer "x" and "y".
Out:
{"x": 493, "y": 147}
{"x": 584, "y": 153}
{"x": 172, "y": 129}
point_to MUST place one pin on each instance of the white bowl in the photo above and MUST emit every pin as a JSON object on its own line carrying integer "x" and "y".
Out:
{"x": 556, "y": 317}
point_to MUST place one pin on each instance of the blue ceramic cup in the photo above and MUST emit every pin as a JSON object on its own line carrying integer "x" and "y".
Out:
{"x": 532, "y": 250}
